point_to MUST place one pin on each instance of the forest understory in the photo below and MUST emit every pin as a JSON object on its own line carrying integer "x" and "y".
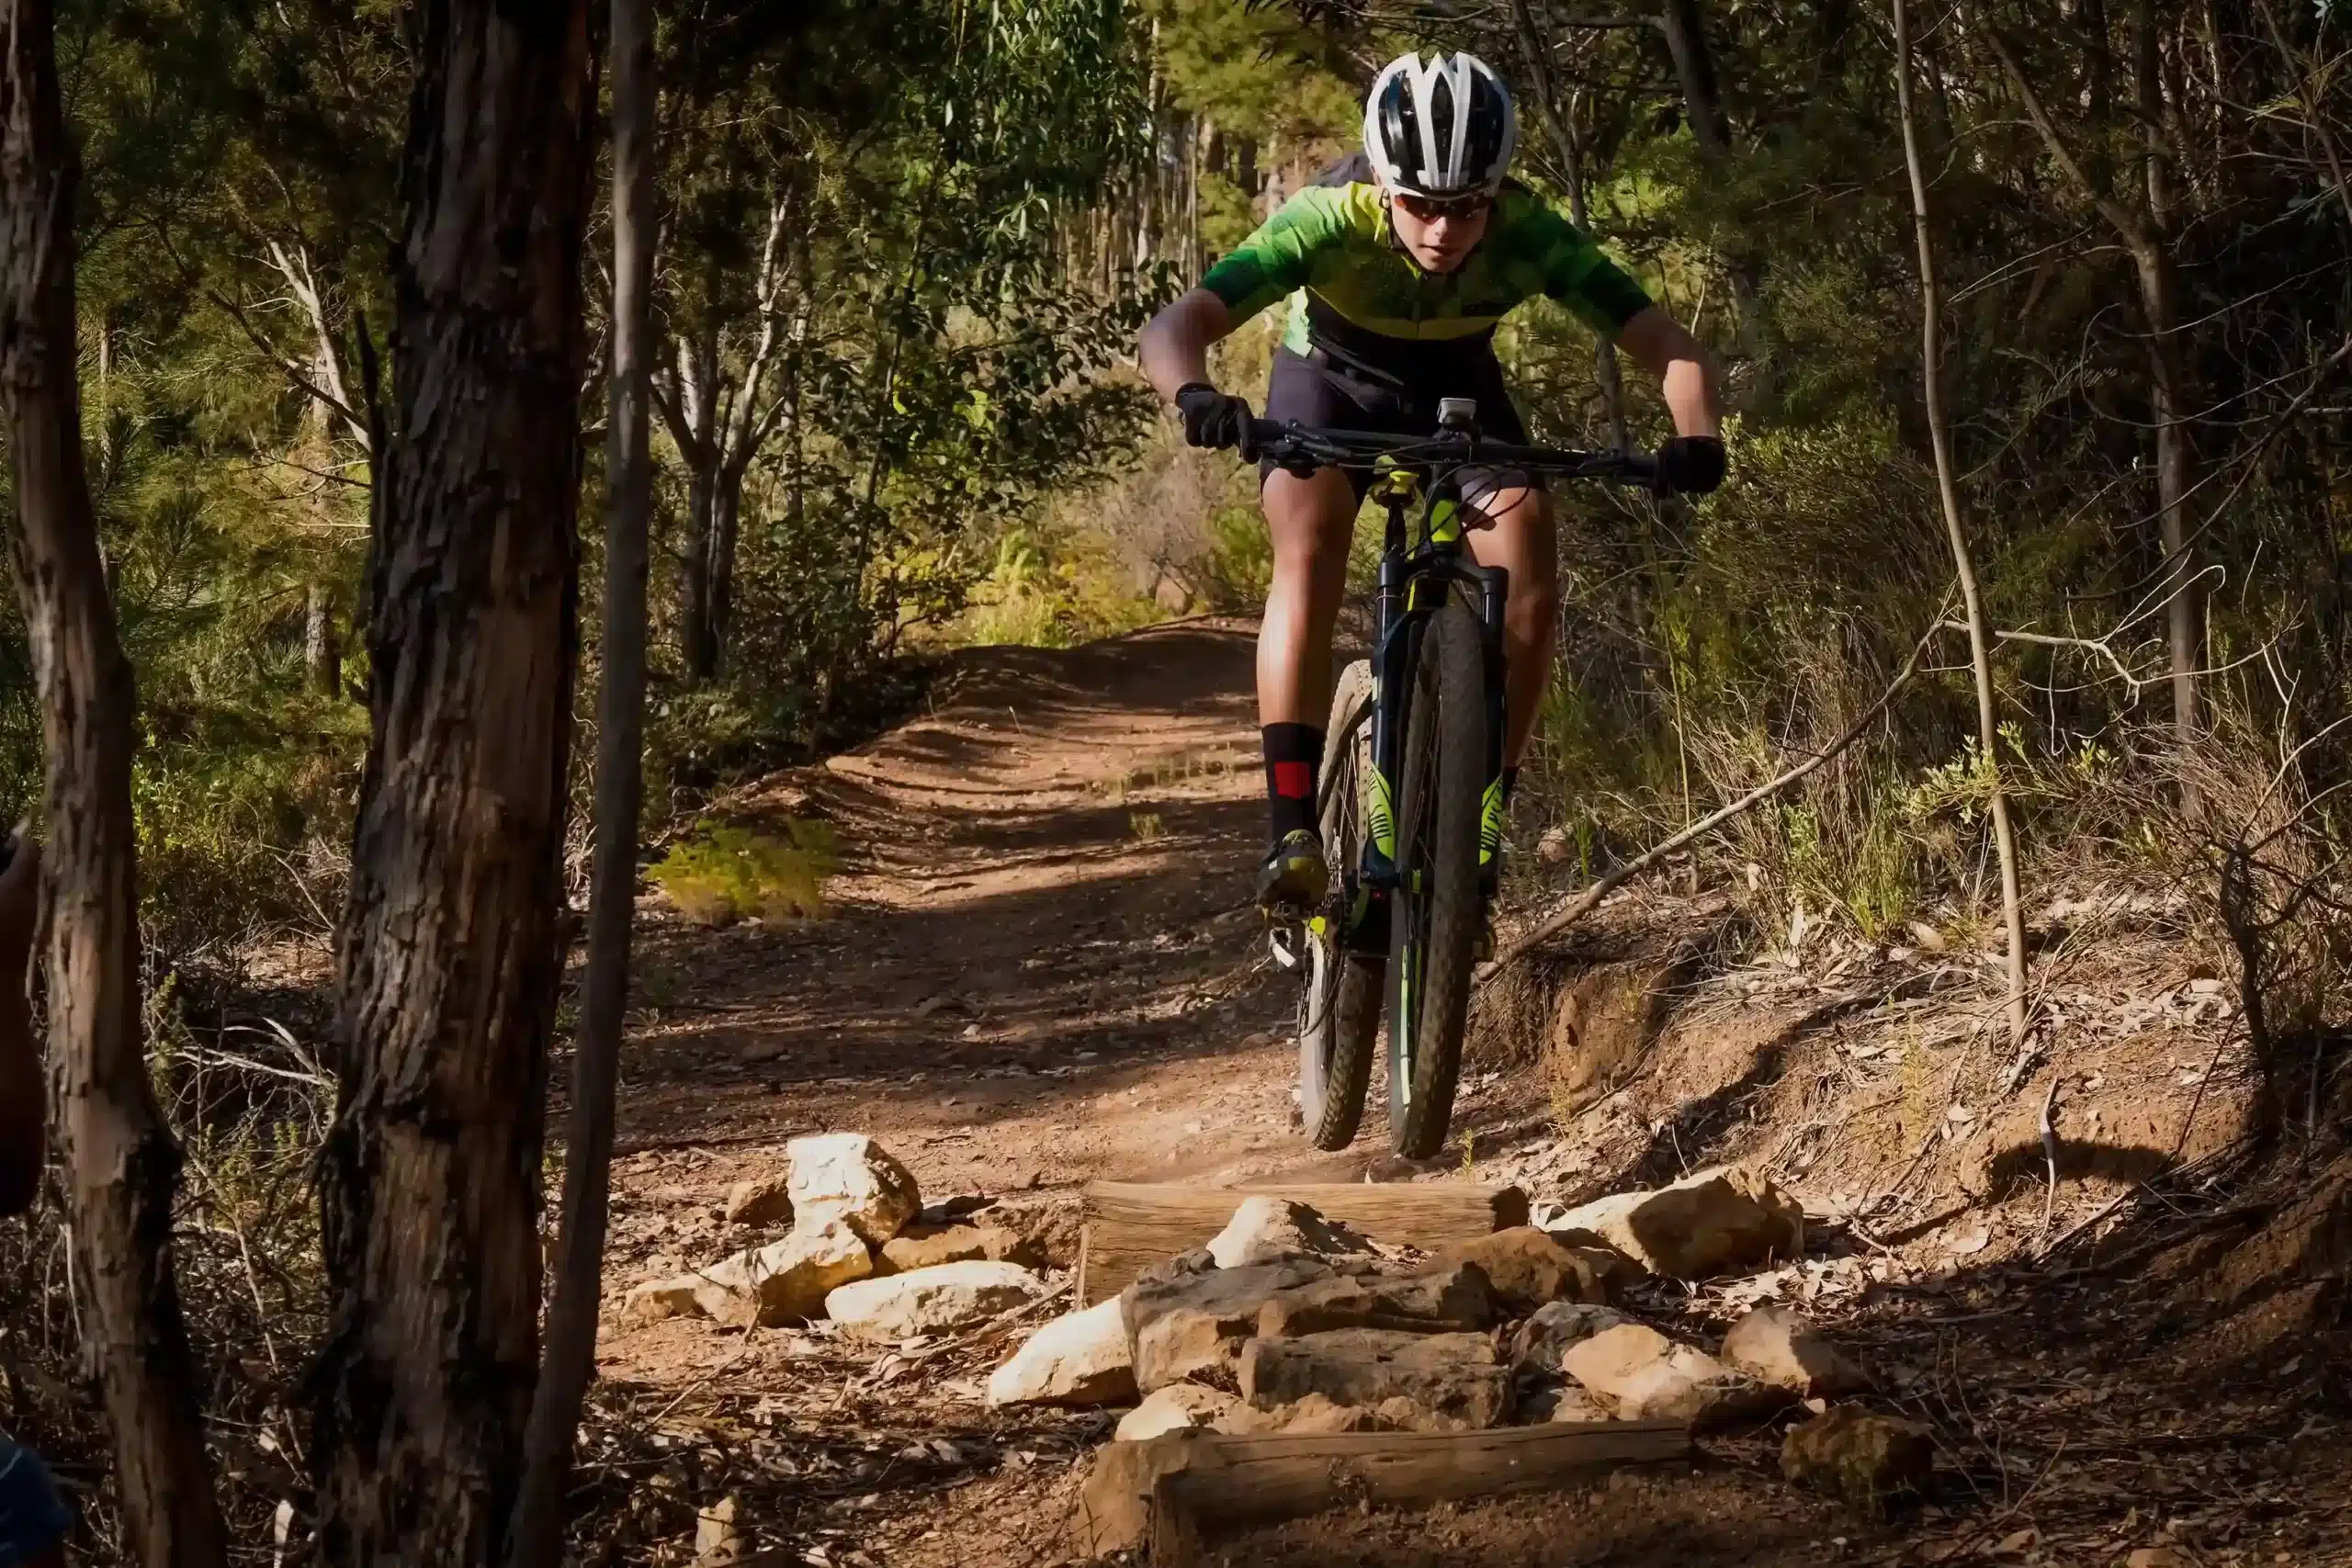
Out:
{"x": 1018, "y": 992}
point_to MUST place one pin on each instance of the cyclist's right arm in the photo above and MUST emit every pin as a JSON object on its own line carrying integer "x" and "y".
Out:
{"x": 1267, "y": 267}
{"x": 1175, "y": 347}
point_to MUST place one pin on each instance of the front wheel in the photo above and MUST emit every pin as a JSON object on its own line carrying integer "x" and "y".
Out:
{"x": 1434, "y": 932}
{"x": 1338, "y": 1016}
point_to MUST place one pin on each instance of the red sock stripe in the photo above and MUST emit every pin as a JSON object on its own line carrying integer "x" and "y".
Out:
{"x": 1294, "y": 781}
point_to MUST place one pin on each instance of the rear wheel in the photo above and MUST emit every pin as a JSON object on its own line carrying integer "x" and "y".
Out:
{"x": 1436, "y": 916}
{"x": 1339, "y": 1015}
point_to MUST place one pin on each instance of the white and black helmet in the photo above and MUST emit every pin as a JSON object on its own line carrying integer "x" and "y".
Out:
{"x": 1442, "y": 130}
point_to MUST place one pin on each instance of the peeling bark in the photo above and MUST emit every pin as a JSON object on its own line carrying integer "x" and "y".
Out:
{"x": 122, "y": 1167}
{"x": 429, "y": 1181}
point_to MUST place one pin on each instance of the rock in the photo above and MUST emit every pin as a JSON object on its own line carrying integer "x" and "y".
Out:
{"x": 1575, "y": 1404}
{"x": 945, "y": 1212}
{"x": 849, "y": 1178}
{"x": 760, "y": 1201}
{"x": 1452, "y": 1300}
{"x": 938, "y": 1300}
{"x": 1544, "y": 1338}
{"x": 1079, "y": 1358}
{"x": 1183, "y": 1320}
{"x": 1182, "y": 1405}
{"x": 1450, "y": 1376}
{"x": 718, "y": 1543}
{"x": 1265, "y": 1229}
{"x": 1871, "y": 1461}
{"x": 784, "y": 1281}
{"x": 1776, "y": 1345}
{"x": 1526, "y": 1267}
{"x": 1715, "y": 1222}
{"x": 657, "y": 1299}
{"x": 1536, "y": 1401}
{"x": 1055, "y": 1230}
{"x": 1610, "y": 1267}
{"x": 1638, "y": 1374}
{"x": 927, "y": 1246}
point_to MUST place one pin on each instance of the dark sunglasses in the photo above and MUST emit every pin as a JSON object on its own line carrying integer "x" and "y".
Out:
{"x": 1429, "y": 209}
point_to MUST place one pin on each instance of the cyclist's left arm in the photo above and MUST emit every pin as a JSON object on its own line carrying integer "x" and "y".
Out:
{"x": 1664, "y": 347}
{"x": 1580, "y": 276}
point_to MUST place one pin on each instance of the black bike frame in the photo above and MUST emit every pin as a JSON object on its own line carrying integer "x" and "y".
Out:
{"x": 1415, "y": 581}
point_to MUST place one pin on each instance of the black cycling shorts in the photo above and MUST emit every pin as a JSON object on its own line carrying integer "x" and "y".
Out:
{"x": 1327, "y": 392}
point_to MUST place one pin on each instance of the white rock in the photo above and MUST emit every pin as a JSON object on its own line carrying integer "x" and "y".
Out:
{"x": 848, "y": 1179}
{"x": 937, "y": 1300}
{"x": 784, "y": 1281}
{"x": 760, "y": 1201}
{"x": 1638, "y": 1374}
{"x": 1782, "y": 1347}
{"x": 1079, "y": 1358}
{"x": 1185, "y": 1404}
{"x": 1265, "y": 1228}
{"x": 658, "y": 1299}
{"x": 1711, "y": 1223}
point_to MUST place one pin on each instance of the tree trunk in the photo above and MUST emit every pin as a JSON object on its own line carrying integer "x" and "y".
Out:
{"x": 2185, "y": 615}
{"x": 429, "y": 1181}
{"x": 321, "y": 654}
{"x": 2167, "y": 391}
{"x": 122, "y": 1165}
{"x": 726, "y": 511}
{"x": 1694, "y": 71}
{"x": 697, "y": 646}
{"x": 1980, "y": 634}
{"x": 1564, "y": 146}
{"x": 620, "y": 727}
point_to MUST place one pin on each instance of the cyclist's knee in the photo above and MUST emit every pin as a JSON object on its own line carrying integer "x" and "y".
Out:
{"x": 1533, "y": 607}
{"x": 1311, "y": 520}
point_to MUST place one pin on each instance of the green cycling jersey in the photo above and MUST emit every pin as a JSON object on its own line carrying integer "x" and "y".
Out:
{"x": 1330, "y": 250}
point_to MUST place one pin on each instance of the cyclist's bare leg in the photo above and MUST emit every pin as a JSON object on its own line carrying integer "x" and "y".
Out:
{"x": 1521, "y": 539}
{"x": 1311, "y": 520}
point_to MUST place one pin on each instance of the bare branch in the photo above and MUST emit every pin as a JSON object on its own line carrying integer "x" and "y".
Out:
{"x": 2125, "y": 222}
{"x": 2088, "y": 645}
{"x": 294, "y": 267}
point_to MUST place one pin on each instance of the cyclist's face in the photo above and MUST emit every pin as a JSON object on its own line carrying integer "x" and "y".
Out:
{"x": 1438, "y": 234}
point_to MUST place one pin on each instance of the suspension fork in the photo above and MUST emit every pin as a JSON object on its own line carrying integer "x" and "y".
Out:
{"x": 1392, "y": 645}
{"x": 1494, "y": 594}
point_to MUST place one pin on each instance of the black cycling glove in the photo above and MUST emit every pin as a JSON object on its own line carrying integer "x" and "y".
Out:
{"x": 1212, "y": 419}
{"x": 1690, "y": 465}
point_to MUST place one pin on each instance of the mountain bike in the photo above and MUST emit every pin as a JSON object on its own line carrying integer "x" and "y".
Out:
{"x": 1411, "y": 803}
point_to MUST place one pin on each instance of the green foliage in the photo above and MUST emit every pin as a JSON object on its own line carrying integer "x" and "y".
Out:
{"x": 717, "y": 875}
{"x": 1047, "y": 592}
{"x": 1239, "y": 565}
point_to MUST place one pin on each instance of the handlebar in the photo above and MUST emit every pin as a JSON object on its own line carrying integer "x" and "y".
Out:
{"x": 1289, "y": 443}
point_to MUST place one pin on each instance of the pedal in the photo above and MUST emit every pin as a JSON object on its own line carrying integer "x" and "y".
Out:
{"x": 1287, "y": 942}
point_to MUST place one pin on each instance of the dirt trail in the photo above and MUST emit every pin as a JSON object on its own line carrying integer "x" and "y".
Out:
{"x": 1042, "y": 970}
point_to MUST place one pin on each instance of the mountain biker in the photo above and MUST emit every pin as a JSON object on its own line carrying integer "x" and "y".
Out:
{"x": 1397, "y": 263}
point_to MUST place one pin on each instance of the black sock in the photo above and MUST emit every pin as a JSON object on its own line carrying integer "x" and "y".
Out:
{"x": 1511, "y": 782}
{"x": 1294, "y": 756}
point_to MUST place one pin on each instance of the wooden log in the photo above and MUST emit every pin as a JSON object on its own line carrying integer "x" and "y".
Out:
{"x": 1130, "y": 1227}
{"x": 1173, "y": 1492}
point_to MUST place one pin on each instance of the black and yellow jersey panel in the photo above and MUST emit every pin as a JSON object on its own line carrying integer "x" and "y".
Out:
{"x": 1350, "y": 284}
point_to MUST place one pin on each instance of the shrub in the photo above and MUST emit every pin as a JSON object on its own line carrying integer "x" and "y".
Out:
{"x": 719, "y": 876}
